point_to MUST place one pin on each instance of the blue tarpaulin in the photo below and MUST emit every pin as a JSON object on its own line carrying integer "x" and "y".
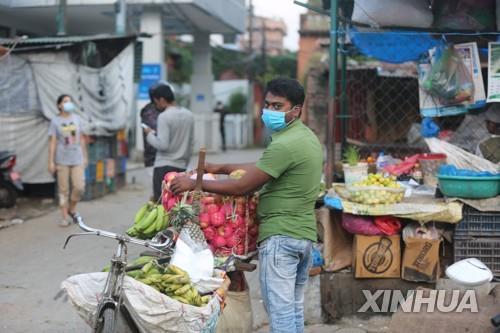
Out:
{"x": 391, "y": 46}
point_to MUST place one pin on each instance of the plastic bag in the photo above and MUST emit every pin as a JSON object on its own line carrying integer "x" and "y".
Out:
{"x": 449, "y": 79}
{"x": 459, "y": 157}
{"x": 403, "y": 167}
{"x": 451, "y": 170}
{"x": 415, "y": 230}
{"x": 198, "y": 263}
{"x": 388, "y": 225}
{"x": 429, "y": 128}
{"x": 360, "y": 225}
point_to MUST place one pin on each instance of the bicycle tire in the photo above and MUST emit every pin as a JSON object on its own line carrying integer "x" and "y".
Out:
{"x": 108, "y": 321}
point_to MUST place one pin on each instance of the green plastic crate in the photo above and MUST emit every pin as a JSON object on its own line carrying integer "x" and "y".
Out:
{"x": 469, "y": 187}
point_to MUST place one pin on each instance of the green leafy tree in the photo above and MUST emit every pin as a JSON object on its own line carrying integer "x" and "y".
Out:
{"x": 237, "y": 102}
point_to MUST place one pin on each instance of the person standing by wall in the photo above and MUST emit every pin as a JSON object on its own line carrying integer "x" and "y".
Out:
{"x": 289, "y": 173}
{"x": 173, "y": 139}
{"x": 67, "y": 157}
{"x": 221, "y": 110}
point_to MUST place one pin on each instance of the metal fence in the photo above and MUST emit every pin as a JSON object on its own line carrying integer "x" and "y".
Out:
{"x": 382, "y": 113}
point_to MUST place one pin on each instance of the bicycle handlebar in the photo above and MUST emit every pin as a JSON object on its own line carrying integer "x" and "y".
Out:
{"x": 92, "y": 231}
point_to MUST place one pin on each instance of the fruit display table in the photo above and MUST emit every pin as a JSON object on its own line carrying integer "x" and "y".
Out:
{"x": 418, "y": 208}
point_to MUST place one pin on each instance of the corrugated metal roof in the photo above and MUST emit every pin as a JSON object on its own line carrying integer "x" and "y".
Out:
{"x": 62, "y": 39}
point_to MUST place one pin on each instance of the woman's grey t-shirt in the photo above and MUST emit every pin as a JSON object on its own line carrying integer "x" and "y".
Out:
{"x": 67, "y": 131}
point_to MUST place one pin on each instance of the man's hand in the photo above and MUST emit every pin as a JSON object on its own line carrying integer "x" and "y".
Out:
{"x": 148, "y": 130}
{"x": 182, "y": 184}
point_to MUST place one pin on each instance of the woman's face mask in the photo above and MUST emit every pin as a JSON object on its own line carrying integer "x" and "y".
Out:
{"x": 69, "y": 107}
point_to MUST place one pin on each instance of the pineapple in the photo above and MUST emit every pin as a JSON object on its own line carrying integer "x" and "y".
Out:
{"x": 182, "y": 215}
{"x": 351, "y": 156}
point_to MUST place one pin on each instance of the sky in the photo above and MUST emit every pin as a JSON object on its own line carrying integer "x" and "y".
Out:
{"x": 287, "y": 10}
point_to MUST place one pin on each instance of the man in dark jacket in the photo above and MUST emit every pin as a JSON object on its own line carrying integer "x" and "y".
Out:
{"x": 149, "y": 116}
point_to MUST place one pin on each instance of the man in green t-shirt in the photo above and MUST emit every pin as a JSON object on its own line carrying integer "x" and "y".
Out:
{"x": 288, "y": 175}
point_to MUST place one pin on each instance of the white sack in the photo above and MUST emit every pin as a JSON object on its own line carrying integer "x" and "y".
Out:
{"x": 153, "y": 311}
{"x": 384, "y": 13}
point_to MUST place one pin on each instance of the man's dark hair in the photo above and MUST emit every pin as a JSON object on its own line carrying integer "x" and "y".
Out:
{"x": 165, "y": 92}
{"x": 287, "y": 88}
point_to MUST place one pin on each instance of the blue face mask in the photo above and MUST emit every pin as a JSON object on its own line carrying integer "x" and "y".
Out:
{"x": 274, "y": 120}
{"x": 69, "y": 107}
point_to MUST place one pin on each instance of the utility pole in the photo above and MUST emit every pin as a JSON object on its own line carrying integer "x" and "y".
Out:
{"x": 61, "y": 18}
{"x": 250, "y": 76}
{"x": 332, "y": 100}
{"x": 264, "y": 46}
{"x": 121, "y": 17}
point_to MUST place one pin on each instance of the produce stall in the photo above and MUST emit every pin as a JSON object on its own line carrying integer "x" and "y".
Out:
{"x": 413, "y": 92}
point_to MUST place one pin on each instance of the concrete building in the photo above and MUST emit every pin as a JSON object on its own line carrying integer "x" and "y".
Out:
{"x": 158, "y": 18}
{"x": 266, "y": 33}
{"x": 313, "y": 32}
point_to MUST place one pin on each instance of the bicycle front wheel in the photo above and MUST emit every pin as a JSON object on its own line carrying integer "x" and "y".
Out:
{"x": 107, "y": 321}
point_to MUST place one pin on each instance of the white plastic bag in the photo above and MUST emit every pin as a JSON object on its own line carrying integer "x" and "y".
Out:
{"x": 198, "y": 264}
{"x": 459, "y": 157}
{"x": 151, "y": 310}
{"x": 384, "y": 13}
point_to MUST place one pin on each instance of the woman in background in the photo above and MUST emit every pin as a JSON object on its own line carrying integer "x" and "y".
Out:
{"x": 67, "y": 157}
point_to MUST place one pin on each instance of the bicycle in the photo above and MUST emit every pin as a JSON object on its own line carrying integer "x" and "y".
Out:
{"x": 110, "y": 305}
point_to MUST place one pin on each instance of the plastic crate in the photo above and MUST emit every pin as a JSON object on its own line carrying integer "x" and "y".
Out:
{"x": 477, "y": 223}
{"x": 90, "y": 172}
{"x": 110, "y": 185}
{"x": 92, "y": 152}
{"x": 483, "y": 248}
{"x": 98, "y": 190}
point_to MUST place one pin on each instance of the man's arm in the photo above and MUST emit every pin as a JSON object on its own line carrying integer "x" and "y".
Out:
{"x": 159, "y": 140}
{"x": 250, "y": 182}
{"x": 226, "y": 169}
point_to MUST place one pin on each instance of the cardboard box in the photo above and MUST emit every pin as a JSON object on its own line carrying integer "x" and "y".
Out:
{"x": 377, "y": 256}
{"x": 421, "y": 260}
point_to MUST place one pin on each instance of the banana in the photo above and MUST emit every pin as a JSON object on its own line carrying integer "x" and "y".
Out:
{"x": 135, "y": 274}
{"x": 159, "y": 218}
{"x": 172, "y": 287}
{"x": 147, "y": 221}
{"x": 205, "y": 299}
{"x": 170, "y": 277}
{"x": 180, "y": 299}
{"x": 176, "y": 270}
{"x": 182, "y": 290}
{"x": 141, "y": 213}
{"x": 150, "y": 230}
{"x": 165, "y": 223}
{"x": 143, "y": 260}
{"x": 146, "y": 268}
{"x": 132, "y": 232}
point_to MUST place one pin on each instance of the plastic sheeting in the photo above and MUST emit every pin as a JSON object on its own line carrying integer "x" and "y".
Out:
{"x": 392, "y": 46}
{"x": 29, "y": 86}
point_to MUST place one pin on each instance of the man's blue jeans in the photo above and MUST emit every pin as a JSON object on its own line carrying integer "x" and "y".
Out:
{"x": 284, "y": 269}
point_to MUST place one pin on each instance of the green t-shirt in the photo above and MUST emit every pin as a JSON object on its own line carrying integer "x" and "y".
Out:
{"x": 294, "y": 159}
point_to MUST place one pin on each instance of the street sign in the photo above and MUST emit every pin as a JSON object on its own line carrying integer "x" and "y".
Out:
{"x": 150, "y": 74}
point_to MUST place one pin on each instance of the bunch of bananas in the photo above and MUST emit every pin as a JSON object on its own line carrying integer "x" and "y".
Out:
{"x": 170, "y": 280}
{"x": 149, "y": 220}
